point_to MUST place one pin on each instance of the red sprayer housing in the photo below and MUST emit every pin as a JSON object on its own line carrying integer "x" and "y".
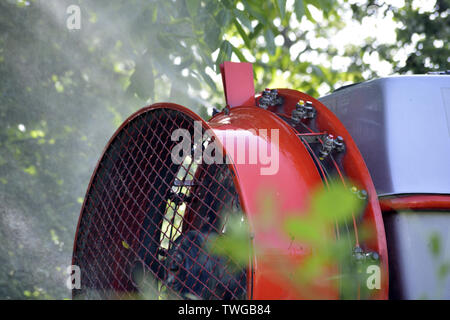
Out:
{"x": 146, "y": 218}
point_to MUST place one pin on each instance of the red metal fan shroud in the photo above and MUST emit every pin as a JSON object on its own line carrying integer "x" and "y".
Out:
{"x": 106, "y": 243}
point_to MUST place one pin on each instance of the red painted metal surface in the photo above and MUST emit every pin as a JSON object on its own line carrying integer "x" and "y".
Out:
{"x": 415, "y": 202}
{"x": 355, "y": 169}
{"x": 238, "y": 83}
{"x": 290, "y": 187}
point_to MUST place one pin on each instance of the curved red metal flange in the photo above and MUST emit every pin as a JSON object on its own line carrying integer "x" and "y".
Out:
{"x": 293, "y": 178}
{"x": 355, "y": 169}
{"x": 415, "y": 202}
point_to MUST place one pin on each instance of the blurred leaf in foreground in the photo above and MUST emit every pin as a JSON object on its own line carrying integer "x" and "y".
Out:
{"x": 235, "y": 242}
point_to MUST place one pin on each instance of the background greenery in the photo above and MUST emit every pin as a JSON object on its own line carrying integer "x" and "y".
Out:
{"x": 64, "y": 92}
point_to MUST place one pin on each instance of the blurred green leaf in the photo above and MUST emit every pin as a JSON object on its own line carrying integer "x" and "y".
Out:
{"x": 299, "y": 8}
{"x": 435, "y": 244}
{"x": 224, "y": 54}
{"x": 142, "y": 82}
{"x": 193, "y": 6}
{"x": 270, "y": 41}
{"x": 303, "y": 229}
{"x": 309, "y": 15}
{"x": 223, "y": 17}
{"x": 444, "y": 271}
{"x": 242, "y": 33}
{"x": 243, "y": 19}
{"x": 235, "y": 243}
{"x": 239, "y": 54}
{"x": 281, "y": 6}
{"x": 208, "y": 79}
{"x": 212, "y": 35}
{"x": 336, "y": 203}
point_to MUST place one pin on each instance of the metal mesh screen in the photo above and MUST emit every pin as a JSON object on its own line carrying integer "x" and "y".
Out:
{"x": 146, "y": 221}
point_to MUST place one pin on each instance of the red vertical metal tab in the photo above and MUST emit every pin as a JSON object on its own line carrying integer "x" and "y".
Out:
{"x": 237, "y": 78}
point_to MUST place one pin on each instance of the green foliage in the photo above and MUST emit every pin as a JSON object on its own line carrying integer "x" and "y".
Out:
{"x": 328, "y": 207}
{"x": 425, "y": 33}
{"x": 441, "y": 261}
{"x": 435, "y": 244}
{"x": 315, "y": 228}
{"x": 235, "y": 243}
{"x": 335, "y": 203}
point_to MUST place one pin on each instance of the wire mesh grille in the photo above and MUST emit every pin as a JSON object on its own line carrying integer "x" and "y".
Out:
{"x": 146, "y": 221}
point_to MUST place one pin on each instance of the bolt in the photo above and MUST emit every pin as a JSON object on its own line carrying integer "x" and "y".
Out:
{"x": 266, "y": 93}
{"x": 327, "y": 146}
{"x": 303, "y": 111}
{"x": 339, "y": 144}
{"x": 297, "y": 113}
{"x": 310, "y": 110}
{"x": 265, "y": 99}
{"x": 215, "y": 111}
{"x": 374, "y": 256}
{"x": 362, "y": 194}
{"x": 358, "y": 254}
{"x": 270, "y": 97}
